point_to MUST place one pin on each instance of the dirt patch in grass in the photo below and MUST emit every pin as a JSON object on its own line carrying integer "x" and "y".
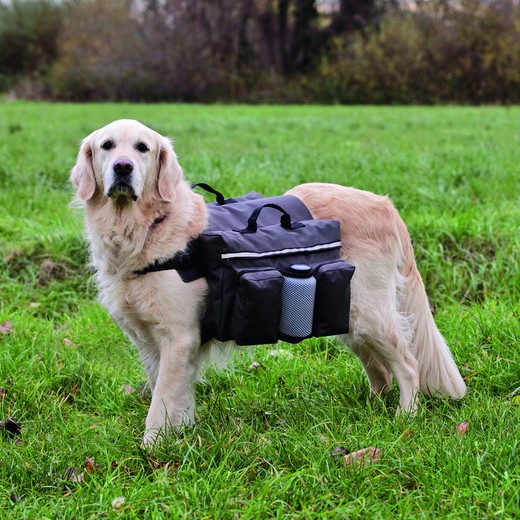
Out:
{"x": 41, "y": 267}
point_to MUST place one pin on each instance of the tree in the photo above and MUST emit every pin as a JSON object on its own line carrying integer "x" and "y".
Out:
{"x": 29, "y": 32}
{"x": 101, "y": 53}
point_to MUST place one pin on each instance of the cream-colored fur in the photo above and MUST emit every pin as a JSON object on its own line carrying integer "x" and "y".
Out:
{"x": 149, "y": 213}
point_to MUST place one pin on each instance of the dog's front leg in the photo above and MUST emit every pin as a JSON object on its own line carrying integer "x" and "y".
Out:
{"x": 173, "y": 398}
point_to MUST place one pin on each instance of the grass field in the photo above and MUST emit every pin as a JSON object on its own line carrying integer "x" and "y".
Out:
{"x": 264, "y": 442}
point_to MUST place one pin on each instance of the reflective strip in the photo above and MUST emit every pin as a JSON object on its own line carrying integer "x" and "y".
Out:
{"x": 247, "y": 254}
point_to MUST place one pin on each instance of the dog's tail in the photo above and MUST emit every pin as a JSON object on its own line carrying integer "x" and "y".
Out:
{"x": 438, "y": 373}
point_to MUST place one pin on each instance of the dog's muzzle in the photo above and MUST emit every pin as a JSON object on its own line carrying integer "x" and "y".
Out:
{"x": 122, "y": 184}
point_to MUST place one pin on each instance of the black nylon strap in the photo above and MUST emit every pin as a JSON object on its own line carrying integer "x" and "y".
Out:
{"x": 187, "y": 263}
{"x": 219, "y": 197}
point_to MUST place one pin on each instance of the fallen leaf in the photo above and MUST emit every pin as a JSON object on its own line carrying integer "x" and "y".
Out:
{"x": 516, "y": 400}
{"x": 6, "y": 327}
{"x": 48, "y": 270}
{"x": 74, "y": 475}
{"x": 11, "y": 427}
{"x": 254, "y": 366}
{"x": 67, "y": 342}
{"x": 90, "y": 466}
{"x": 15, "y": 499}
{"x": 129, "y": 390}
{"x": 337, "y": 452}
{"x": 462, "y": 428}
{"x": 118, "y": 503}
{"x": 407, "y": 434}
{"x": 324, "y": 440}
{"x": 363, "y": 457}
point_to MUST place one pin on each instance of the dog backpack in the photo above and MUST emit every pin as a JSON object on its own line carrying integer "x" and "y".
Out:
{"x": 273, "y": 271}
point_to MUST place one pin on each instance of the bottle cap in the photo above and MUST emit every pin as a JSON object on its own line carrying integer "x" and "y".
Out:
{"x": 302, "y": 270}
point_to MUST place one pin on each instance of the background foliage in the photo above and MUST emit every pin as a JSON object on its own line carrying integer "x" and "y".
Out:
{"x": 337, "y": 51}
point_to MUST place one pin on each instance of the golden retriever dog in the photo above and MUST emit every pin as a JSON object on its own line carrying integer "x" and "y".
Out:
{"x": 139, "y": 209}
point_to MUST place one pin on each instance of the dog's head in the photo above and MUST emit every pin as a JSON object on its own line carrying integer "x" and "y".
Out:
{"x": 126, "y": 161}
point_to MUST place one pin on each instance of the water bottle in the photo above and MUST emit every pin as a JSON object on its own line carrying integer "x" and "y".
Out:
{"x": 298, "y": 292}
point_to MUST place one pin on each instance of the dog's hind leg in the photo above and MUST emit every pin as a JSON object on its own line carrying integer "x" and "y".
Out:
{"x": 406, "y": 371}
{"x": 379, "y": 377}
{"x": 384, "y": 354}
{"x": 381, "y": 337}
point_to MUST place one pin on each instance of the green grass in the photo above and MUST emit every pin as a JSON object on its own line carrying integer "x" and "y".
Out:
{"x": 261, "y": 446}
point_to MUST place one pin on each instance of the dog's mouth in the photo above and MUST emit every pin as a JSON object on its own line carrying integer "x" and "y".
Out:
{"x": 122, "y": 189}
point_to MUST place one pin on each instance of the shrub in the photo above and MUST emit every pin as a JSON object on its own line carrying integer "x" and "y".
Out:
{"x": 387, "y": 65}
{"x": 29, "y": 32}
{"x": 441, "y": 51}
{"x": 100, "y": 53}
{"x": 467, "y": 53}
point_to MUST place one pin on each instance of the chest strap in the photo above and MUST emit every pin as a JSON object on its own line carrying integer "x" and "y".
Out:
{"x": 187, "y": 263}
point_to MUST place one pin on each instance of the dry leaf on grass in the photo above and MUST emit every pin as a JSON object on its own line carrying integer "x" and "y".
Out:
{"x": 12, "y": 428}
{"x": 118, "y": 503}
{"x": 407, "y": 434}
{"x": 90, "y": 465}
{"x": 6, "y": 327}
{"x": 462, "y": 428}
{"x": 128, "y": 390}
{"x": 73, "y": 475}
{"x": 362, "y": 457}
{"x": 254, "y": 366}
{"x": 337, "y": 452}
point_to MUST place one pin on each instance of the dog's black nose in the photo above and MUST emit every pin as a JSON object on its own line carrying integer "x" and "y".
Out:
{"x": 123, "y": 167}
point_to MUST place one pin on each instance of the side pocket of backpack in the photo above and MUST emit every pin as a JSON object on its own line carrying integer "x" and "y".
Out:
{"x": 332, "y": 305}
{"x": 258, "y": 306}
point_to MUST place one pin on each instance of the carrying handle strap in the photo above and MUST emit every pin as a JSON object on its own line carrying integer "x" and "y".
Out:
{"x": 219, "y": 197}
{"x": 285, "y": 220}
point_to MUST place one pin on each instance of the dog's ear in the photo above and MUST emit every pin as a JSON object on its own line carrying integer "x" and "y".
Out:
{"x": 82, "y": 175}
{"x": 169, "y": 171}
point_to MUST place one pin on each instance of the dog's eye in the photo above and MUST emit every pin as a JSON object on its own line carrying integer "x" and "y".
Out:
{"x": 107, "y": 145}
{"x": 141, "y": 147}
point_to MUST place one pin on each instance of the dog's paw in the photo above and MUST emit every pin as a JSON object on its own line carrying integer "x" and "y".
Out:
{"x": 151, "y": 438}
{"x": 408, "y": 411}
